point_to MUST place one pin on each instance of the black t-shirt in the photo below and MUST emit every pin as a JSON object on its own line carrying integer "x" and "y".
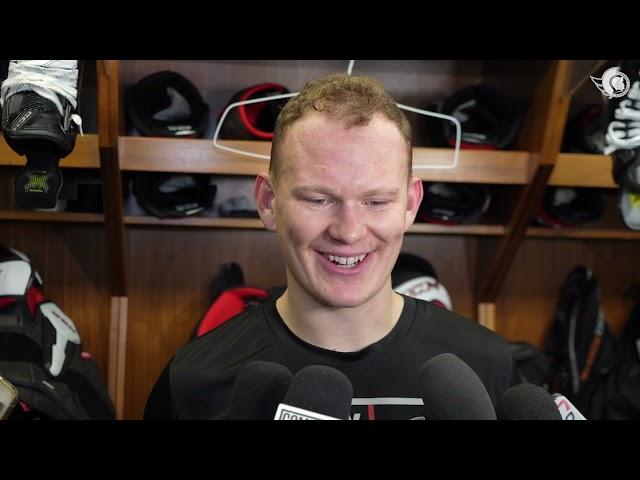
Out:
{"x": 198, "y": 381}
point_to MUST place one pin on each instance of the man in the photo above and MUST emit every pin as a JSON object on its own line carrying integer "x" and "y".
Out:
{"x": 340, "y": 196}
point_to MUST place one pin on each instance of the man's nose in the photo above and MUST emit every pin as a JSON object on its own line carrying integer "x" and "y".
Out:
{"x": 348, "y": 225}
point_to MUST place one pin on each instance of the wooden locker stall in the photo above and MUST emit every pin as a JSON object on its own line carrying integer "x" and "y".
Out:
{"x": 527, "y": 303}
{"x": 67, "y": 248}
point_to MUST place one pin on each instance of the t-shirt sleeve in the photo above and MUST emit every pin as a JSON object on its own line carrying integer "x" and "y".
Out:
{"x": 160, "y": 402}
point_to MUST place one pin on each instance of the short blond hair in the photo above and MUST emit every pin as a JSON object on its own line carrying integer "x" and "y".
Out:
{"x": 351, "y": 100}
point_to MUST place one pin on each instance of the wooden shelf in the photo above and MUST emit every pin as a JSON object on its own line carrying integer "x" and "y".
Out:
{"x": 475, "y": 166}
{"x": 200, "y": 156}
{"x": 67, "y": 217}
{"x": 256, "y": 223}
{"x": 242, "y": 223}
{"x": 582, "y": 170}
{"x": 86, "y": 154}
{"x": 584, "y": 233}
{"x": 189, "y": 156}
{"x": 205, "y": 222}
{"x": 479, "y": 229}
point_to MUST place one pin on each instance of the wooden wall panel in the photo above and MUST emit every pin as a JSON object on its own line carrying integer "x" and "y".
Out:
{"x": 170, "y": 274}
{"x": 71, "y": 260}
{"x": 528, "y": 300}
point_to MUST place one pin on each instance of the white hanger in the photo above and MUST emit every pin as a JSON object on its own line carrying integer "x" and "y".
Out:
{"x": 419, "y": 111}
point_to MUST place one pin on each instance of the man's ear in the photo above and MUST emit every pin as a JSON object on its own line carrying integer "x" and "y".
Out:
{"x": 264, "y": 195}
{"x": 414, "y": 198}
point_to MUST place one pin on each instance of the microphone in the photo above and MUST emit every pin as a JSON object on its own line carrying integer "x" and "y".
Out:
{"x": 567, "y": 410}
{"x": 317, "y": 392}
{"x": 451, "y": 390}
{"x": 527, "y": 401}
{"x": 259, "y": 388}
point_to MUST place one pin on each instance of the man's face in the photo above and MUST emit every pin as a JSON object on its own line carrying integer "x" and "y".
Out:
{"x": 341, "y": 207}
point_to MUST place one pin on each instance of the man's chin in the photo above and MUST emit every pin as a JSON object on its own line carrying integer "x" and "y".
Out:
{"x": 342, "y": 301}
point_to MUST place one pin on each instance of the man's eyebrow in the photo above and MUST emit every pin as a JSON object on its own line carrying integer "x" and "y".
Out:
{"x": 306, "y": 189}
{"x": 383, "y": 191}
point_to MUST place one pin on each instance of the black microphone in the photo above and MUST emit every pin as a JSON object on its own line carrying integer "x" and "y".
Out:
{"x": 259, "y": 388}
{"x": 317, "y": 392}
{"x": 527, "y": 401}
{"x": 451, "y": 390}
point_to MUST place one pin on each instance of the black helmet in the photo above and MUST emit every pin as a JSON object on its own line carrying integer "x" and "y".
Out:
{"x": 257, "y": 120}
{"x": 489, "y": 120}
{"x": 173, "y": 195}
{"x": 585, "y": 132}
{"x": 565, "y": 207}
{"x": 166, "y": 104}
{"x": 453, "y": 203}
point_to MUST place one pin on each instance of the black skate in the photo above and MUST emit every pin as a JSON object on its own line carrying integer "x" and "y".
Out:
{"x": 33, "y": 126}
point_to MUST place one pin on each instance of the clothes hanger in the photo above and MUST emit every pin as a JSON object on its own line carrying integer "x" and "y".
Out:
{"x": 419, "y": 111}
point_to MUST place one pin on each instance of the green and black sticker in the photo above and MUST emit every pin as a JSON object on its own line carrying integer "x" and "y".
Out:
{"x": 37, "y": 181}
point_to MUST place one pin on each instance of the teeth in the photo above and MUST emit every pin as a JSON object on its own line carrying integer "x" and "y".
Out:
{"x": 347, "y": 261}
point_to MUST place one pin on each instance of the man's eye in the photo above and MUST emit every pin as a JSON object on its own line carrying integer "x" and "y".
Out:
{"x": 318, "y": 202}
{"x": 377, "y": 203}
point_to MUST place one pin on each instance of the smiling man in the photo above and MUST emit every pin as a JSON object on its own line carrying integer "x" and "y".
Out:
{"x": 340, "y": 196}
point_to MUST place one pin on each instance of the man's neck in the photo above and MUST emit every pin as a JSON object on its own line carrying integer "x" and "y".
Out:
{"x": 340, "y": 329}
